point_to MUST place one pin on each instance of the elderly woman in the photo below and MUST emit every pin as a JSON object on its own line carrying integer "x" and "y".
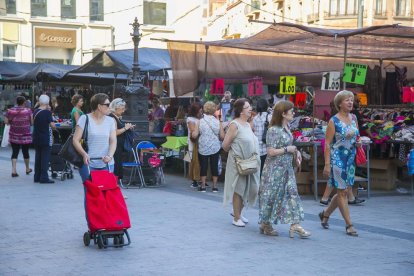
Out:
{"x": 101, "y": 144}
{"x": 278, "y": 194}
{"x": 19, "y": 118}
{"x": 77, "y": 102}
{"x": 240, "y": 141}
{"x": 211, "y": 132}
{"x": 42, "y": 139}
{"x": 340, "y": 152}
{"x": 117, "y": 108}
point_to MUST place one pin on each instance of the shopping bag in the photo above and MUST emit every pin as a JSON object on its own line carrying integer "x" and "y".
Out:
{"x": 360, "y": 158}
{"x": 5, "y": 139}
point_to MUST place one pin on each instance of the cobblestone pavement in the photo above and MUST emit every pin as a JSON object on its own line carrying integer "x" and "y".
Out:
{"x": 178, "y": 231}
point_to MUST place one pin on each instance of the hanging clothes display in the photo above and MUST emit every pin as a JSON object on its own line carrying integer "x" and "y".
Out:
{"x": 373, "y": 85}
{"x": 408, "y": 94}
{"x": 391, "y": 91}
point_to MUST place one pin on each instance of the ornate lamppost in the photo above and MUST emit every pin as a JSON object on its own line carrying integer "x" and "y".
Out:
{"x": 136, "y": 94}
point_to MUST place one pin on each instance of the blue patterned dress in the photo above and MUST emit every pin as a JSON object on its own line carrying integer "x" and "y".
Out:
{"x": 343, "y": 153}
{"x": 279, "y": 200}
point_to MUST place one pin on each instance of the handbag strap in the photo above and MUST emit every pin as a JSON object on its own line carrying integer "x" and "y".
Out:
{"x": 85, "y": 130}
{"x": 218, "y": 135}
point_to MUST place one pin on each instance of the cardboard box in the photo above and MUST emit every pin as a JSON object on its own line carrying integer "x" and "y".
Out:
{"x": 383, "y": 174}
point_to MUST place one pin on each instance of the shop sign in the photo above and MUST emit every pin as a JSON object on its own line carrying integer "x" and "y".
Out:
{"x": 355, "y": 73}
{"x": 287, "y": 85}
{"x": 331, "y": 80}
{"x": 55, "y": 38}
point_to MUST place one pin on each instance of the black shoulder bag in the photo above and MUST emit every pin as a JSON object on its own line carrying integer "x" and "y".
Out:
{"x": 265, "y": 128}
{"x": 68, "y": 151}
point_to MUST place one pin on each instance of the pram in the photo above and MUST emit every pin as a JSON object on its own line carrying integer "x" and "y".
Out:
{"x": 106, "y": 212}
{"x": 58, "y": 166}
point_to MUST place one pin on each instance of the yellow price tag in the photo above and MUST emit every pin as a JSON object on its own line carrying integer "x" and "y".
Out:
{"x": 287, "y": 85}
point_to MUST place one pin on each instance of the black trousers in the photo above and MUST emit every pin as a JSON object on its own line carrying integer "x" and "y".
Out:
{"x": 16, "y": 149}
{"x": 42, "y": 159}
{"x": 204, "y": 159}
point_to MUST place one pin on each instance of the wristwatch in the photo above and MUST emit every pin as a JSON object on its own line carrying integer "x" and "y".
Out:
{"x": 285, "y": 150}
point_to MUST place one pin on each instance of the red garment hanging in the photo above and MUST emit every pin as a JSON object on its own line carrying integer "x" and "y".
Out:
{"x": 217, "y": 87}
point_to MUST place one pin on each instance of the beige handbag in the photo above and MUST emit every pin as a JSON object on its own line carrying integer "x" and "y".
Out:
{"x": 246, "y": 166}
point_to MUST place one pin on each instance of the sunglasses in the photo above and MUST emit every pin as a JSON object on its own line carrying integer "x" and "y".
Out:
{"x": 107, "y": 104}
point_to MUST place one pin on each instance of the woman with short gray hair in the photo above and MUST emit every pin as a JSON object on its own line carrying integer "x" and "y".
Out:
{"x": 117, "y": 108}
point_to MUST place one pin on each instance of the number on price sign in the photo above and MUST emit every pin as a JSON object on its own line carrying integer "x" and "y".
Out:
{"x": 331, "y": 80}
{"x": 287, "y": 85}
{"x": 355, "y": 73}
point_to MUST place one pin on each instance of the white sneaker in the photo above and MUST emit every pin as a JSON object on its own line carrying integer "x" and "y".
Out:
{"x": 239, "y": 223}
{"x": 245, "y": 220}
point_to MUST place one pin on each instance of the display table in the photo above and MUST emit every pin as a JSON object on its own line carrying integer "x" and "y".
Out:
{"x": 175, "y": 143}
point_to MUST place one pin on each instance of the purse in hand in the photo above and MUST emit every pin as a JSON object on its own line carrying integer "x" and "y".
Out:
{"x": 360, "y": 157}
{"x": 68, "y": 151}
{"x": 246, "y": 166}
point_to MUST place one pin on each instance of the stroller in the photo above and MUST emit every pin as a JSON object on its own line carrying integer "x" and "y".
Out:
{"x": 58, "y": 166}
{"x": 106, "y": 212}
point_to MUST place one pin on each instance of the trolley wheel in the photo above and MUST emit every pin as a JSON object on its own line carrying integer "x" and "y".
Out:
{"x": 100, "y": 242}
{"x": 63, "y": 177}
{"x": 54, "y": 175}
{"x": 116, "y": 241}
{"x": 86, "y": 239}
{"x": 105, "y": 240}
{"x": 121, "y": 240}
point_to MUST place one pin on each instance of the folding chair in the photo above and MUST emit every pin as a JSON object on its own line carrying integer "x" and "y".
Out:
{"x": 135, "y": 169}
{"x": 148, "y": 145}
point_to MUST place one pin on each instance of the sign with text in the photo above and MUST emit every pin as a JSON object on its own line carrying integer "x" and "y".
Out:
{"x": 355, "y": 73}
{"x": 287, "y": 85}
{"x": 55, "y": 38}
{"x": 331, "y": 80}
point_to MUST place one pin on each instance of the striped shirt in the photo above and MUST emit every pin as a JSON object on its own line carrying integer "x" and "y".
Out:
{"x": 258, "y": 128}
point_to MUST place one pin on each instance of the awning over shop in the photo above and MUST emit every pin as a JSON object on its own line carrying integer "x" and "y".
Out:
{"x": 289, "y": 49}
{"x": 120, "y": 61}
{"x": 43, "y": 72}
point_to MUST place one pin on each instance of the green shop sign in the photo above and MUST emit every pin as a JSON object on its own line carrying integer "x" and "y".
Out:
{"x": 355, "y": 73}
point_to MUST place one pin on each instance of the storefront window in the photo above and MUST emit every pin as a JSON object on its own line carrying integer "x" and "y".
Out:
{"x": 96, "y": 10}
{"x": 9, "y": 52}
{"x": 155, "y": 13}
{"x": 39, "y": 7}
{"x": 68, "y": 9}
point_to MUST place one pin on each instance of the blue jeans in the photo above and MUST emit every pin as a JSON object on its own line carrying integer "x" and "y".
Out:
{"x": 85, "y": 172}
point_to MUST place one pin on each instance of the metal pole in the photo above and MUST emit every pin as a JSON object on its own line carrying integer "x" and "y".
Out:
{"x": 113, "y": 90}
{"x": 360, "y": 13}
{"x": 345, "y": 57}
{"x": 205, "y": 70}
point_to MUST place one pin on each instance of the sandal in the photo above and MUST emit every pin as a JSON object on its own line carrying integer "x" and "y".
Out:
{"x": 352, "y": 233}
{"x": 321, "y": 217}
{"x": 29, "y": 171}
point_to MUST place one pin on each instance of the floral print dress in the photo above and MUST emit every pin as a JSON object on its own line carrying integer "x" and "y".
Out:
{"x": 343, "y": 153}
{"x": 279, "y": 200}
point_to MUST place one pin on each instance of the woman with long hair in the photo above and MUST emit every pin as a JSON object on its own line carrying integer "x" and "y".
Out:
{"x": 278, "y": 194}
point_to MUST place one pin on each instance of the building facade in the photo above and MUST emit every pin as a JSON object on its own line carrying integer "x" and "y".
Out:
{"x": 234, "y": 18}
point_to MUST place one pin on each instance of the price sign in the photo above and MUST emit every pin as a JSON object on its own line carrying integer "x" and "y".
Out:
{"x": 355, "y": 73}
{"x": 331, "y": 80}
{"x": 287, "y": 85}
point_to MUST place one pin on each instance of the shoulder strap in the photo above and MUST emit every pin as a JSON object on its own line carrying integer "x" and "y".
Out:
{"x": 35, "y": 115}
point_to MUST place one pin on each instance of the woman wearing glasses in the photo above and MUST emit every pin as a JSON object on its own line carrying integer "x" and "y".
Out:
{"x": 101, "y": 143}
{"x": 240, "y": 141}
{"x": 117, "y": 108}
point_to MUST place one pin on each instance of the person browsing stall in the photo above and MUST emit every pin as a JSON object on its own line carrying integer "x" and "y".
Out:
{"x": 101, "y": 138}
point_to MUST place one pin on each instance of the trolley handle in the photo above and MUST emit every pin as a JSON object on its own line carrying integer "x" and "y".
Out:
{"x": 97, "y": 158}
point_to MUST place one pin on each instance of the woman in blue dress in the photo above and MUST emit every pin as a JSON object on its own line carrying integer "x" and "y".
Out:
{"x": 340, "y": 151}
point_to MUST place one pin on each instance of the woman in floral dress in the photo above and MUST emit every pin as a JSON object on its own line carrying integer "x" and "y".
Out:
{"x": 340, "y": 151}
{"x": 279, "y": 200}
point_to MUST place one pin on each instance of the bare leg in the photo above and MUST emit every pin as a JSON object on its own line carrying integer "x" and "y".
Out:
{"x": 14, "y": 162}
{"x": 26, "y": 162}
{"x": 215, "y": 181}
{"x": 203, "y": 181}
{"x": 237, "y": 206}
{"x": 327, "y": 193}
{"x": 343, "y": 207}
{"x": 351, "y": 196}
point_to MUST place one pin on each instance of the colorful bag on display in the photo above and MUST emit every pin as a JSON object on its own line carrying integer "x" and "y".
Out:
{"x": 361, "y": 158}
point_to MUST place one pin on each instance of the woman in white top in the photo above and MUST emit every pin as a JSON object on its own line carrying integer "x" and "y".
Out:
{"x": 193, "y": 119}
{"x": 101, "y": 137}
{"x": 211, "y": 132}
{"x": 259, "y": 127}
